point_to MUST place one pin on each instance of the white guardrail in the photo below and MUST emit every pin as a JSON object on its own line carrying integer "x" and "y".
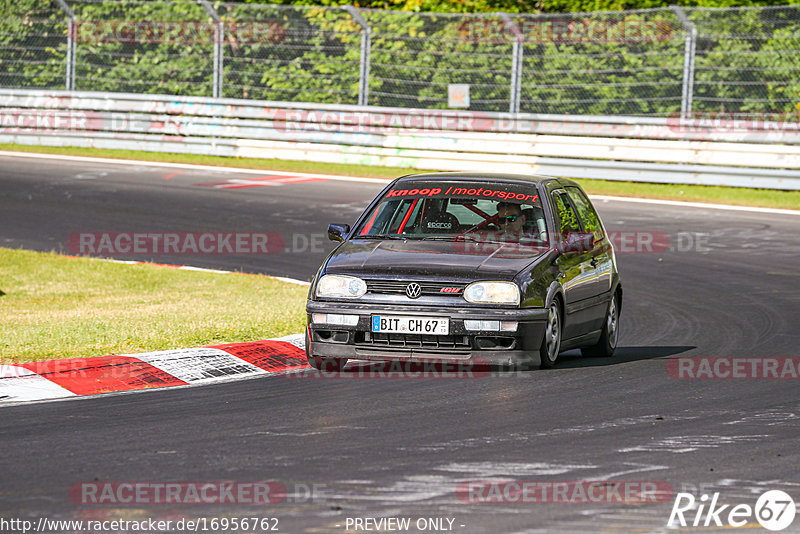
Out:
{"x": 710, "y": 150}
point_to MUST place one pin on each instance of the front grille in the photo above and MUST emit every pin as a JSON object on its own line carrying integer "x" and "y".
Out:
{"x": 412, "y": 341}
{"x": 398, "y": 287}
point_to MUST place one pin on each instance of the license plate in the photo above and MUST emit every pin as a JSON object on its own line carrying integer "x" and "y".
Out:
{"x": 410, "y": 325}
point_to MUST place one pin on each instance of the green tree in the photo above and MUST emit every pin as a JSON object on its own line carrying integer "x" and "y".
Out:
{"x": 33, "y": 42}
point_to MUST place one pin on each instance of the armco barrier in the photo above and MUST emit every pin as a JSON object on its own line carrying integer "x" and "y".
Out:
{"x": 711, "y": 150}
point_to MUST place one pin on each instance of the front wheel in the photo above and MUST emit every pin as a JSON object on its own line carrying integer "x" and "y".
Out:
{"x": 551, "y": 344}
{"x": 607, "y": 343}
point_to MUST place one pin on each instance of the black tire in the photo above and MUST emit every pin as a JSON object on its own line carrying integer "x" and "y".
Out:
{"x": 607, "y": 344}
{"x": 328, "y": 365}
{"x": 551, "y": 342}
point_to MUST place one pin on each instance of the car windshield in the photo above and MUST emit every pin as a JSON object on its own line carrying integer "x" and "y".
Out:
{"x": 486, "y": 212}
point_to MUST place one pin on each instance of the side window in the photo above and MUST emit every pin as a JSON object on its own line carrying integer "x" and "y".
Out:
{"x": 589, "y": 218}
{"x": 567, "y": 220}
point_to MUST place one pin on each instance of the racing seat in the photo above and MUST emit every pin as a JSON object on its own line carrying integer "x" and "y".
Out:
{"x": 440, "y": 222}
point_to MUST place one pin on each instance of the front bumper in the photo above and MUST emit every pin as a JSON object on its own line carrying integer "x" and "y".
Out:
{"x": 519, "y": 348}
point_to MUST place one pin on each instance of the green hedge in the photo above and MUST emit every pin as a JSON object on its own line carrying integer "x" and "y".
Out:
{"x": 746, "y": 60}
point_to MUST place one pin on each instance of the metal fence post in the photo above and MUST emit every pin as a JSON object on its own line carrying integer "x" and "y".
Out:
{"x": 688, "y": 61}
{"x": 366, "y": 46}
{"x": 516, "y": 63}
{"x": 219, "y": 38}
{"x": 71, "y": 40}
{"x": 219, "y": 64}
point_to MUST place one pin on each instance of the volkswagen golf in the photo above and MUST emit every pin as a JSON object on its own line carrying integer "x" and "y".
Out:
{"x": 505, "y": 269}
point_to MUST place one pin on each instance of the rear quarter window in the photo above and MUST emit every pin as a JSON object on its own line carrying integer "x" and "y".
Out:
{"x": 567, "y": 218}
{"x": 586, "y": 212}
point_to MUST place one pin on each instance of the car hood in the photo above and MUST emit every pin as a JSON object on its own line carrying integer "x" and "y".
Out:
{"x": 431, "y": 258}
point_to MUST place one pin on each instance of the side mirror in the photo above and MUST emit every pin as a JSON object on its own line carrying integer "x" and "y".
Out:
{"x": 336, "y": 232}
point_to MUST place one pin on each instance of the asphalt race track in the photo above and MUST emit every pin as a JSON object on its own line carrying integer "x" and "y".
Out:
{"x": 730, "y": 287}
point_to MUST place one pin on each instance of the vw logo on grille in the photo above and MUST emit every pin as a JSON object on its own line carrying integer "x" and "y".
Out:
{"x": 413, "y": 290}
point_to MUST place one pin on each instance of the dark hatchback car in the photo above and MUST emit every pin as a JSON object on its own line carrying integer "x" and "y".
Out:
{"x": 503, "y": 269}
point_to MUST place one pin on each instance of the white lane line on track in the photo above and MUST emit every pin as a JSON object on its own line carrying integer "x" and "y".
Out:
{"x": 203, "y": 270}
{"x": 190, "y": 166}
{"x": 291, "y": 280}
{"x": 704, "y": 205}
{"x": 333, "y": 177}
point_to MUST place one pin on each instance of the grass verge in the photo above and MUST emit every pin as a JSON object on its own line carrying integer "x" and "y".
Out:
{"x": 766, "y": 198}
{"x": 61, "y": 307}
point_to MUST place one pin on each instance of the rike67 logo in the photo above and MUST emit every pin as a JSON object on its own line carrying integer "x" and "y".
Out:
{"x": 774, "y": 510}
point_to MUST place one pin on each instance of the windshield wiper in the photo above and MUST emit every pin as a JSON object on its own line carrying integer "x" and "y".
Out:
{"x": 380, "y": 236}
{"x": 453, "y": 237}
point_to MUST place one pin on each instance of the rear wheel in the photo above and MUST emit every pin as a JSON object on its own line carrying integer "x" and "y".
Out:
{"x": 607, "y": 343}
{"x": 551, "y": 344}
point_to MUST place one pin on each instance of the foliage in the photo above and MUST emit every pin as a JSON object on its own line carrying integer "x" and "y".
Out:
{"x": 527, "y": 6}
{"x": 611, "y": 63}
{"x": 32, "y": 44}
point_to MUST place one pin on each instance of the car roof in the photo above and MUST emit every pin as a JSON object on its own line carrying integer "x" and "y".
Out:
{"x": 482, "y": 177}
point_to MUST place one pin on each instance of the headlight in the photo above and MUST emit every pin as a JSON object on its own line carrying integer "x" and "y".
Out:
{"x": 492, "y": 293}
{"x": 339, "y": 286}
